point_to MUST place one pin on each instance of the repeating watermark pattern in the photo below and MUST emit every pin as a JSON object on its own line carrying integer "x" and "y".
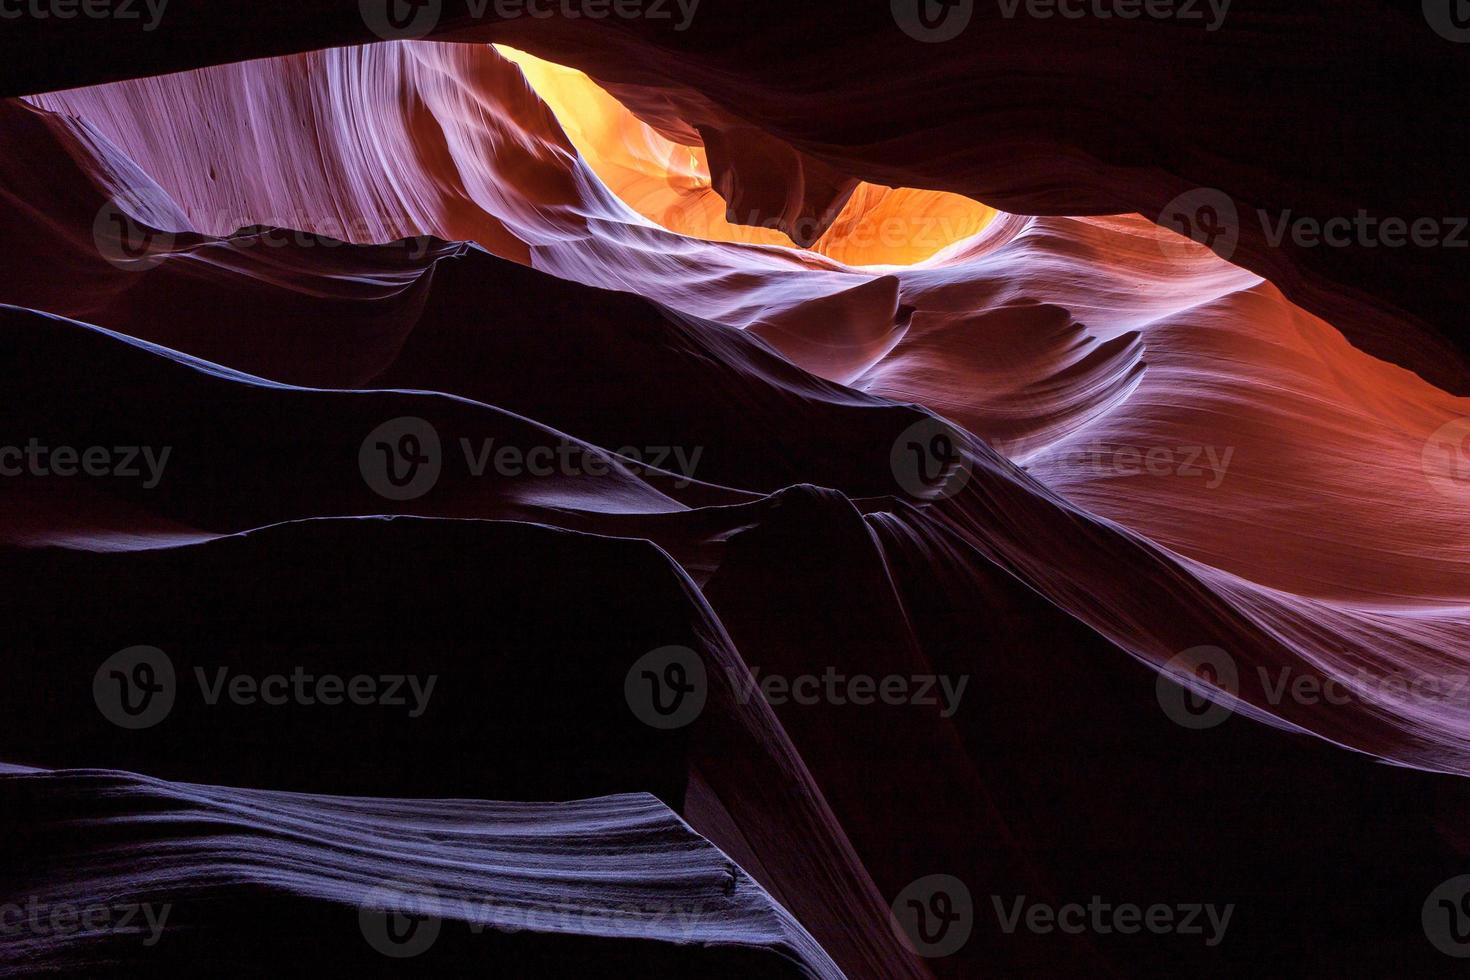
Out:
{"x": 1210, "y": 217}
{"x": 403, "y": 921}
{"x": 929, "y": 462}
{"x": 38, "y": 917}
{"x": 1098, "y": 917}
{"x": 138, "y": 688}
{"x": 1198, "y": 687}
{"x": 667, "y": 688}
{"x": 1208, "y": 464}
{"x": 409, "y": 20}
{"x": 934, "y": 916}
{"x": 936, "y": 21}
{"x": 143, "y": 463}
{"x": 147, "y": 14}
{"x": 1449, "y": 18}
{"x": 1446, "y": 917}
{"x": 834, "y": 687}
{"x": 1445, "y": 459}
{"x": 402, "y": 459}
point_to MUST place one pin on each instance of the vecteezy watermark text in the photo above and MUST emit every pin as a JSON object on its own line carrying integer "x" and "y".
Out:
{"x": 1365, "y": 230}
{"x": 403, "y": 458}
{"x": 1207, "y": 463}
{"x": 836, "y": 687}
{"x": 1204, "y": 919}
{"x": 37, "y": 917}
{"x": 935, "y": 21}
{"x": 124, "y": 10}
{"x": 922, "y": 232}
{"x": 667, "y": 688}
{"x": 134, "y": 246}
{"x": 935, "y": 917}
{"x": 138, "y": 687}
{"x": 1211, "y": 13}
{"x": 1210, "y": 217}
{"x": 402, "y": 920}
{"x": 408, "y": 20}
{"x": 1198, "y": 688}
{"x": 125, "y": 462}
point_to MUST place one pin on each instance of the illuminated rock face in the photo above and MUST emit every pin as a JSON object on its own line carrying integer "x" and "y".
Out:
{"x": 670, "y": 183}
{"x": 799, "y": 425}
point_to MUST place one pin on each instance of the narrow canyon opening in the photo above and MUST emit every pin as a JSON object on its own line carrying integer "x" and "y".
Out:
{"x": 670, "y": 183}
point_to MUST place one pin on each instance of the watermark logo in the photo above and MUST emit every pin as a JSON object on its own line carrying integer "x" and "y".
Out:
{"x": 401, "y": 459}
{"x": 667, "y": 688}
{"x": 928, "y": 460}
{"x": 1446, "y": 917}
{"x": 401, "y": 921}
{"x": 1189, "y": 685}
{"x": 933, "y": 21}
{"x": 401, "y": 20}
{"x": 934, "y": 916}
{"x": 1206, "y": 216}
{"x": 135, "y": 688}
{"x": 127, "y": 243}
{"x": 1449, "y": 18}
{"x": 1446, "y": 459}
{"x": 138, "y": 687}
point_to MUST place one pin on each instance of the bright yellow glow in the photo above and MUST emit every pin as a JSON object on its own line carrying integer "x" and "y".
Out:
{"x": 669, "y": 183}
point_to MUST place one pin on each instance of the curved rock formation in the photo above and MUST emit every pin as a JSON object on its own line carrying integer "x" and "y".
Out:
{"x": 1114, "y": 502}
